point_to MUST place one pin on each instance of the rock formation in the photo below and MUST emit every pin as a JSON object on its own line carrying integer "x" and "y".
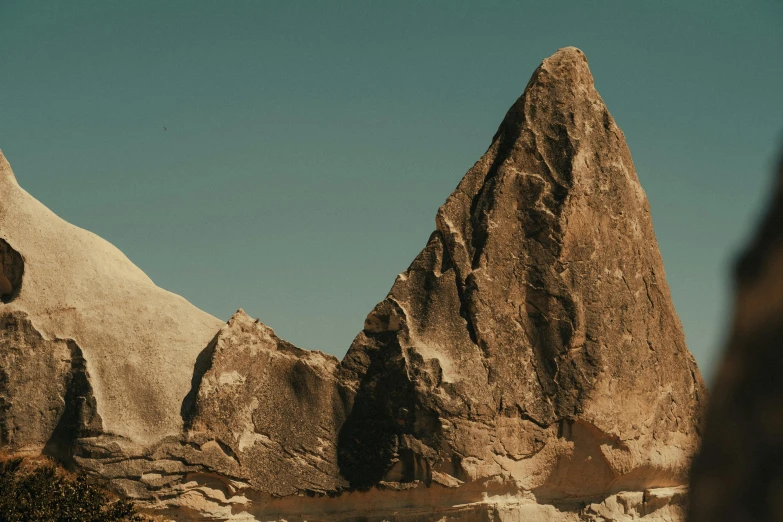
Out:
{"x": 528, "y": 365}
{"x": 77, "y": 304}
{"x": 277, "y": 408}
{"x": 535, "y": 332}
{"x": 738, "y": 474}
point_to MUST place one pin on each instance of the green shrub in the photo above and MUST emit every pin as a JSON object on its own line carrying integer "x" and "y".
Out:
{"x": 35, "y": 490}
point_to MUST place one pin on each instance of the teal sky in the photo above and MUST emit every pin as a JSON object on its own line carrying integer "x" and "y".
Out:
{"x": 309, "y": 144}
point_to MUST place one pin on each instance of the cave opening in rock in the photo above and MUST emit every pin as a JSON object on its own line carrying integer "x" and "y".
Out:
{"x": 11, "y": 272}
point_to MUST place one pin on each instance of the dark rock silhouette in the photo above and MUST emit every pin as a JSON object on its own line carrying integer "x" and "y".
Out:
{"x": 738, "y": 474}
{"x": 11, "y": 272}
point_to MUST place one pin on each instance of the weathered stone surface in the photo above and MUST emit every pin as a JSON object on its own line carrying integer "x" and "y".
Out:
{"x": 534, "y": 337}
{"x": 45, "y": 395}
{"x": 274, "y": 407}
{"x": 738, "y": 474}
{"x": 138, "y": 342}
{"x": 529, "y": 364}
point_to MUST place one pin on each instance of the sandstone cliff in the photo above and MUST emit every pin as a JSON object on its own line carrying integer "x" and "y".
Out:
{"x": 528, "y": 365}
{"x": 738, "y": 474}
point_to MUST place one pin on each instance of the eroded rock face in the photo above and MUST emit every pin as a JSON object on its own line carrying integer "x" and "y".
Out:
{"x": 275, "y": 407}
{"x": 260, "y": 422}
{"x": 138, "y": 342}
{"x": 738, "y": 474}
{"x": 534, "y": 337}
{"x": 46, "y": 399}
{"x": 528, "y": 365}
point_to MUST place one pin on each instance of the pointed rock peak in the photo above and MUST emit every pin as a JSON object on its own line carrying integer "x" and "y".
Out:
{"x": 559, "y": 91}
{"x": 242, "y": 322}
{"x": 5, "y": 168}
{"x": 569, "y": 64}
{"x": 241, "y": 316}
{"x": 539, "y": 299}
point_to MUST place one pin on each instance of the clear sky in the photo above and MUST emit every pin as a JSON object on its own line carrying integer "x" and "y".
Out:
{"x": 309, "y": 144}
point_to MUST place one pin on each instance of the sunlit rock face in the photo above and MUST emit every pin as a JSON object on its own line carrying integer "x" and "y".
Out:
{"x": 529, "y": 364}
{"x": 275, "y": 408}
{"x": 533, "y": 341}
{"x": 135, "y": 343}
{"x": 738, "y": 474}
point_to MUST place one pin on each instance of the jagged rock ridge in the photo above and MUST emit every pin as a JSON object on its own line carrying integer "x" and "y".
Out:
{"x": 536, "y": 325}
{"x": 528, "y": 365}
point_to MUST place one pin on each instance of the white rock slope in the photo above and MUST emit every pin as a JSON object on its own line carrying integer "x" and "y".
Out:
{"x": 139, "y": 342}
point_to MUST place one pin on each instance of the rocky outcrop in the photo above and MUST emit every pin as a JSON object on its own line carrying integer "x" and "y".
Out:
{"x": 138, "y": 342}
{"x": 534, "y": 337}
{"x": 738, "y": 474}
{"x": 274, "y": 407}
{"x": 260, "y": 423}
{"x": 46, "y": 401}
{"x": 528, "y": 365}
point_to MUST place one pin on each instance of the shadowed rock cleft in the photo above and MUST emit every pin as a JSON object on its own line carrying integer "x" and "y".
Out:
{"x": 739, "y": 470}
{"x": 79, "y": 417}
{"x": 11, "y": 272}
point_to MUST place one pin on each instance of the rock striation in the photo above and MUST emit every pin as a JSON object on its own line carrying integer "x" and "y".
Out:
{"x": 529, "y": 364}
{"x": 738, "y": 474}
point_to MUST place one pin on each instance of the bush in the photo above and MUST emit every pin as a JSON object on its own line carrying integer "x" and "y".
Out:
{"x": 35, "y": 490}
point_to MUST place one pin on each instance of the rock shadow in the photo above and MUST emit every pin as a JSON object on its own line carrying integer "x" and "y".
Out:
{"x": 80, "y": 416}
{"x": 203, "y": 364}
{"x": 11, "y": 272}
